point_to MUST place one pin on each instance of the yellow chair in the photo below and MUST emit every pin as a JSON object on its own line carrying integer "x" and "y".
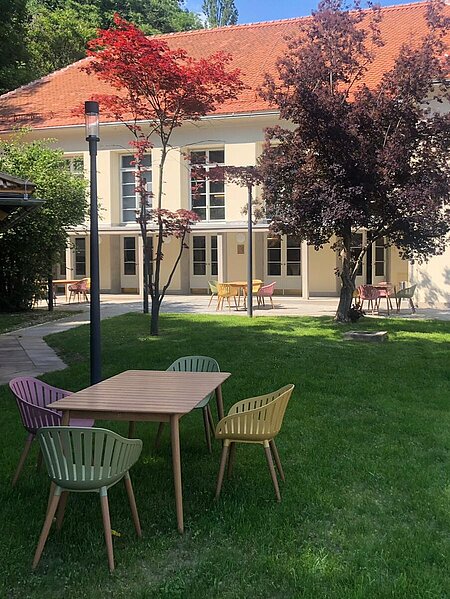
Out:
{"x": 254, "y": 420}
{"x": 225, "y": 291}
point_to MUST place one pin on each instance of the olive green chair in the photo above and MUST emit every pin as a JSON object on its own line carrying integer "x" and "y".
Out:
{"x": 254, "y": 420}
{"x": 196, "y": 364}
{"x": 86, "y": 460}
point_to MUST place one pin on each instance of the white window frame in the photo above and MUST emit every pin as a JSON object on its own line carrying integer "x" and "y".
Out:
{"x": 132, "y": 169}
{"x": 208, "y": 165}
{"x": 124, "y": 251}
{"x": 70, "y": 161}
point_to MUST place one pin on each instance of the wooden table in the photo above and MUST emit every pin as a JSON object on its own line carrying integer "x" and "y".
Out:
{"x": 66, "y": 283}
{"x": 147, "y": 395}
{"x": 242, "y": 286}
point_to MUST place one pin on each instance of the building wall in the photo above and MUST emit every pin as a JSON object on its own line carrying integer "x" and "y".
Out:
{"x": 433, "y": 281}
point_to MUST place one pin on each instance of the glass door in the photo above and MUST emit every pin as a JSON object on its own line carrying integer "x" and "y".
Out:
{"x": 283, "y": 262}
{"x": 204, "y": 260}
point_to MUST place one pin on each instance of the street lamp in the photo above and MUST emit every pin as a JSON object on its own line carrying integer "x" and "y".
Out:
{"x": 91, "y": 120}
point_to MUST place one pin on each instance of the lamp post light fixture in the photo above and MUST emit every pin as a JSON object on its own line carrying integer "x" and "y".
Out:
{"x": 91, "y": 112}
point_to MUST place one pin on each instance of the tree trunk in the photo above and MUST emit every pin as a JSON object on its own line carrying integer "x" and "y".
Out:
{"x": 345, "y": 302}
{"x": 154, "y": 321}
{"x": 348, "y": 283}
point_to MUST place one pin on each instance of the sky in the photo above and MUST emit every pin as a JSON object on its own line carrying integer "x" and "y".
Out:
{"x": 252, "y": 11}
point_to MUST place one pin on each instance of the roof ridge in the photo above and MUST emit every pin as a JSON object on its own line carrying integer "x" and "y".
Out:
{"x": 277, "y": 21}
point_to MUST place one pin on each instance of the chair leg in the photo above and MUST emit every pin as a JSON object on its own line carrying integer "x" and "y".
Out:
{"x": 159, "y": 434}
{"x": 210, "y": 418}
{"x": 46, "y": 528}
{"x": 22, "y": 459}
{"x": 271, "y": 301}
{"x": 210, "y": 299}
{"x": 131, "y": 499}
{"x": 61, "y": 510}
{"x": 207, "y": 428}
{"x": 107, "y": 527}
{"x": 276, "y": 456}
{"x": 273, "y": 474}
{"x": 231, "y": 459}
{"x": 223, "y": 462}
{"x": 413, "y": 308}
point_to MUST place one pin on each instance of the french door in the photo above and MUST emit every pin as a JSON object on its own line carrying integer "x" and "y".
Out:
{"x": 204, "y": 260}
{"x": 373, "y": 268}
{"x": 283, "y": 262}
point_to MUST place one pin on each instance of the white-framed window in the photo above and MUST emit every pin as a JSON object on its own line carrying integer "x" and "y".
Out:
{"x": 75, "y": 165}
{"x": 80, "y": 256}
{"x": 129, "y": 196}
{"x": 129, "y": 255}
{"x": 208, "y": 197}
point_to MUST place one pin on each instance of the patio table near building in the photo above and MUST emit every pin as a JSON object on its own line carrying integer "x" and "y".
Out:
{"x": 241, "y": 287}
{"x": 147, "y": 395}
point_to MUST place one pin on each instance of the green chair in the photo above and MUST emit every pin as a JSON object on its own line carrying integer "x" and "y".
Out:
{"x": 86, "y": 460}
{"x": 196, "y": 364}
{"x": 213, "y": 290}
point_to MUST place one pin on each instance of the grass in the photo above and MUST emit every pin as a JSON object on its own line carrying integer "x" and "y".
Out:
{"x": 19, "y": 320}
{"x": 365, "y": 447}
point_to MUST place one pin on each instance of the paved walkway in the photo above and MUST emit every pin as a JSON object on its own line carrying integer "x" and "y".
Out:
{"x": 24, "y": 352}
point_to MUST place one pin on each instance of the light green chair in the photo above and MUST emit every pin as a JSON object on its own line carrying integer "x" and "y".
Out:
{"x": 86, "y": 460}
{"x": 196, "y": 364}
{"x": 213, "y": 290}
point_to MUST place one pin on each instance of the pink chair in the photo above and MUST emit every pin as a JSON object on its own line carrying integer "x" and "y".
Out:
{"x": 32, "y": 397}
{"x": 265, "y": 291}
{"x": 385, "y": 290}
{"x": 370, "y": 294}
{"x": 81, "y": 288}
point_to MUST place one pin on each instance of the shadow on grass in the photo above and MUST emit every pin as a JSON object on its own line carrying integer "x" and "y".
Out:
{"x": 363, "y": 445}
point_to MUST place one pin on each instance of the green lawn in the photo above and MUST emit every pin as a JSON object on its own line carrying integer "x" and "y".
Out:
{"x": 365, "y": 447}
{"x": 18, "y": 320}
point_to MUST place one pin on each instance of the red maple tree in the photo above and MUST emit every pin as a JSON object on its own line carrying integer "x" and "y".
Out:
{"x": 158, "y": 88}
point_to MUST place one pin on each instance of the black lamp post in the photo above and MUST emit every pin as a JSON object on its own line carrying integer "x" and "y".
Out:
{"x": 92, "y": 118}
{"x": 250, "y": 252}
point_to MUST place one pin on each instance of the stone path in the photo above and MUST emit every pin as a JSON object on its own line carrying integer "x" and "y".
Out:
{"x": 25, "y": 353}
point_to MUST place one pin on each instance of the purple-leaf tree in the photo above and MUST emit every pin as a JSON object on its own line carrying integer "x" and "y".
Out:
{"x": 355, "y": 158}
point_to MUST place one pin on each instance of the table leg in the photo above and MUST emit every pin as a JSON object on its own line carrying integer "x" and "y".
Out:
{"x": 219, "y": 401}
{"x": 176, "y": 465}
{"x": 65, "y": 418}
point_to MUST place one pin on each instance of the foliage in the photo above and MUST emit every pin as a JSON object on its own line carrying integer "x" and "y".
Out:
{"x": 57, "y": 36}
{"x": 164, "y": 87}
{"x": 220, "y": 12}
{"x": 12, "y": 50}
{"x": 38, "y": 37}
{"x": 359, "y": 158}
{"x": 31, "y": 248}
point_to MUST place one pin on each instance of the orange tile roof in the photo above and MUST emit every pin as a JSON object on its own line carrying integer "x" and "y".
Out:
{"x": 49, "y": 102}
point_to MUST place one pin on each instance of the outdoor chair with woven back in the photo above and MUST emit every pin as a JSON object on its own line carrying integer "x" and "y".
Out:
{"x": 406, "y": 293}
{"x": 254, "y": 420}
{"x": 86, "y": 460}
{"x": 265, "y": 291}
{"x": 80, "y": 289}
{"x": 225, "y": 292}
{"x": 32, "y": 398}
{"x": 196, "y": 364}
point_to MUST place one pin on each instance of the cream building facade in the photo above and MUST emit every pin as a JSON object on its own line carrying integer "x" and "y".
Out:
{"x": 232, "y": 135}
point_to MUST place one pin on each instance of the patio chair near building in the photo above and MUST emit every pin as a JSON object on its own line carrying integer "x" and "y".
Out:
{"x": 225, "y": 292}
{"x": 196, "y": 364}
{"x": 265, "y": 291}
{"x": 86, "y": 460}
{"x": 32, "y": 397}
{"x": 369, "y": 294}
{"x": 407, "y": 293}
{"x": 254, "y": 420}
{"x": 213, "y": 290}
{"x": 80, "y": 289}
